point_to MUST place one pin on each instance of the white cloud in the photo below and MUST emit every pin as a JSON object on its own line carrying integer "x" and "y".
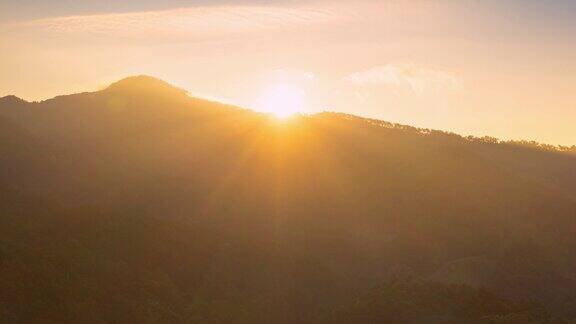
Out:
{"x": 417, "y": 78}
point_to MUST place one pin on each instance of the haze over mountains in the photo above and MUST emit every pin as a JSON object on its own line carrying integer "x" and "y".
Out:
{"x": 139, "y": 203}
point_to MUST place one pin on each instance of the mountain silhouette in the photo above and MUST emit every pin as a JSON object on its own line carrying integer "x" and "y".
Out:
{"x": 12, "y": 101}
{"x": 144, "y": 85}
{"x": 140, "y": 203}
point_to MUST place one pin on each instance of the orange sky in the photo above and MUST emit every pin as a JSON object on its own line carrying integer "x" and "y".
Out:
{"x": 471, "y": 67}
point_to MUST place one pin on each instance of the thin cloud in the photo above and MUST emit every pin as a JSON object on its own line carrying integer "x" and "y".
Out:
{"x": 193, "y": 20}
{"x": 417, "y": 78}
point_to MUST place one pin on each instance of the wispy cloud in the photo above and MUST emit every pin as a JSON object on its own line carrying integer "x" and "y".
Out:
{"x": 419, "y": 79}
{"x": 192, "y": 21}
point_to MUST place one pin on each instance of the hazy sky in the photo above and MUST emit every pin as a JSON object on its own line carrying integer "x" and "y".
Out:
{"x": 500, "y": 68}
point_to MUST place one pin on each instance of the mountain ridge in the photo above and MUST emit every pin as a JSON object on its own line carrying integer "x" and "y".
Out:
{"x": 147, "y": 86}
{"x": 12, "y": 99}
{"x": 144, "y": 83}
{"x": 171, "y": 208}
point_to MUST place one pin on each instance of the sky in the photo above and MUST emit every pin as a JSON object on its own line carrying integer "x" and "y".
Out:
{"x": 499, "y": 68}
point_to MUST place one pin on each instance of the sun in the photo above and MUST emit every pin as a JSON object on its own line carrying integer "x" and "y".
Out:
{"x": 282, "y": 100}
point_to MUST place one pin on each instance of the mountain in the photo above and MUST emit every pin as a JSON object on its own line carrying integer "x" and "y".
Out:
{"x": 140, "y": 203}
{"x": 406, "y": 299}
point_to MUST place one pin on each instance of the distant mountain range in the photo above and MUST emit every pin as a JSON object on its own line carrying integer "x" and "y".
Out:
{"x": 141, "y": 204}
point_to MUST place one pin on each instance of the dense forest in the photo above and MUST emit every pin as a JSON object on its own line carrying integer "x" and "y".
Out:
{"x": 141, "y": 204}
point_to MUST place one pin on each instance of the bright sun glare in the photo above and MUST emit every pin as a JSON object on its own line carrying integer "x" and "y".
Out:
{"x": 282, "y": 100}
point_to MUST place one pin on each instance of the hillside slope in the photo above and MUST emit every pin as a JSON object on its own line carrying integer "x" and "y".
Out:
{"x": 161, "y": 207}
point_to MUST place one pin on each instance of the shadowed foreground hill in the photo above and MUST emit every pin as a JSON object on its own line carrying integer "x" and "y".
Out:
{"x": 138, "y": 203}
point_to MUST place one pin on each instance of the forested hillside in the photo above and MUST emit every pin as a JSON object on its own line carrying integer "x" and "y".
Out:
{"x": 141, "y": 204}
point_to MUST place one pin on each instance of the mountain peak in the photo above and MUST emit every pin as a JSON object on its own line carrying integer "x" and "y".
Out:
{"x": 12, "y": 100}
{"x": 144, "y": 84}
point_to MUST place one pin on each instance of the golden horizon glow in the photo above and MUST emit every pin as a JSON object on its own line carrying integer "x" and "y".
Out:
{"x": 458, "y": 66}
{"x": 282, "y": 100}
